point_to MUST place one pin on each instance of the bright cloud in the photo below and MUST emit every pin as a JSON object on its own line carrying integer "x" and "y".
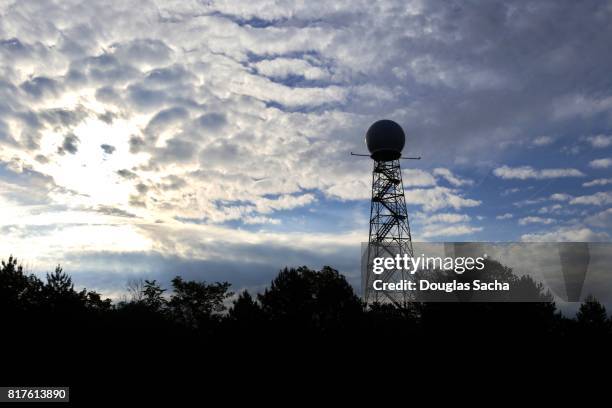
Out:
{"x": 528, "y": 172}
{"x": 566, "y": 234}
{"x": 451, "y": 178}
{"x": 433, "y": 199}
{"x": 535, "y": 220}
{"x": 437, "y": 230}
{"x": 600, "y": 141}
{"x": 542, "y": 140}
{"x": 601, "y": 163}
{"x": 601, "y": 219}
{"x": 601, "y": 198}
{"x": 448, "y": 218}
{"x": 598, "y": 182}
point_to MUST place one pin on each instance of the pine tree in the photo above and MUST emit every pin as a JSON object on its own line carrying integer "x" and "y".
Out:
{"x": 592, "y": 318}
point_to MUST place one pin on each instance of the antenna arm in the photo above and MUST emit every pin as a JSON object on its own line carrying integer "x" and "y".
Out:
{"x": 402, "y": 158}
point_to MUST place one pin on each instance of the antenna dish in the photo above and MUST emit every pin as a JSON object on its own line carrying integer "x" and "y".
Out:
{"x": 385, "y": 140}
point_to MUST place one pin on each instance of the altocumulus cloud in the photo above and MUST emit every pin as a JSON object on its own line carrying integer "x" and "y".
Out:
{"x": 157, "y": 118}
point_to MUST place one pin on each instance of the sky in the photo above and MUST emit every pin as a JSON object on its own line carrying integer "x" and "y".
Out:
{"x": 212, "y": 139}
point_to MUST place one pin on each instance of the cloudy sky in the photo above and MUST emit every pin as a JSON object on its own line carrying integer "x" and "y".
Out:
{"x": 211, "y": 139}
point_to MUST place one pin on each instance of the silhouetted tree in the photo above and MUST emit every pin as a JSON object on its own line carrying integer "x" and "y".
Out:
{"x": 18, "y": 291}
{"x": 592, "y": 319}
{"x": 58, "y": 282}
{"x": 195, "y": 303}
{"x": 246, "y": 318}
{"x": 94, "y": 301}
{"x": 306, "y": 299}
{"x": 153, "y": 296}
{"x": 385, "y": 320}
{"x": 60, "y": 294}
{"x": 245, "y": 309}
{"x": 526, "y": 309}
{"x": 135, "y": 288}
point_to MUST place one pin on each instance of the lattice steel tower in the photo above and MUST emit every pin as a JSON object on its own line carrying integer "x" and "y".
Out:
{"x": 389, "y": 226}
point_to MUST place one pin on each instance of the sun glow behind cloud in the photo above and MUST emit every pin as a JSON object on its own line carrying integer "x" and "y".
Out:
{"x": 92, "y": 173}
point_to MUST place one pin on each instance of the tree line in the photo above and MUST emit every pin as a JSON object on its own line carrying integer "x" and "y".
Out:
{"x": 305, "y": 321}
{"x": 298, "y": 302}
